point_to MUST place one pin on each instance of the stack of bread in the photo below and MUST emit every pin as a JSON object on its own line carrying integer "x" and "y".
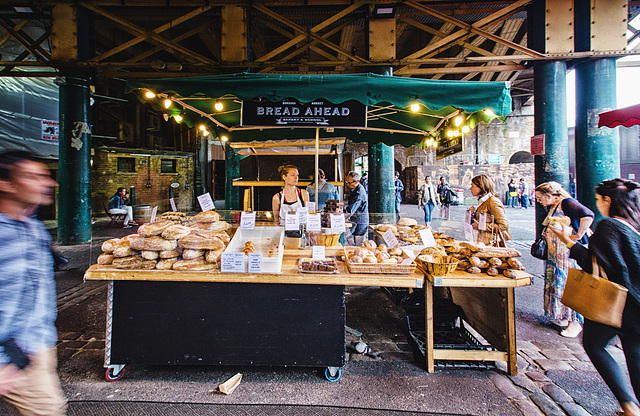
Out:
{"x": 479, "y": 258}
{"x": 407, "y": 230}
{"x": 172, "y": 242}
{"x": 370, "y": 253}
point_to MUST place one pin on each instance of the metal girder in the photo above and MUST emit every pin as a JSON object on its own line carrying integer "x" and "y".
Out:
{"x": 27, "y": 43}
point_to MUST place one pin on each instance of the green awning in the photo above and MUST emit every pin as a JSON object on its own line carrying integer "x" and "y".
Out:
{"x": 389, "y": 118}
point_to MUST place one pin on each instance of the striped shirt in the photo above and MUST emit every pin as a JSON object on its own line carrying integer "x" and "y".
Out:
{"x": 27, "y": 287}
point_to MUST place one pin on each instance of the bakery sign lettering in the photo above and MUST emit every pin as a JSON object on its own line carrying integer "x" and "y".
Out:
{"x": 292, "y": 113}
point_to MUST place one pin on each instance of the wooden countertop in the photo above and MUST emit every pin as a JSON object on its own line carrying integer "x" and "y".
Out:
{"x": 464, "y": 279}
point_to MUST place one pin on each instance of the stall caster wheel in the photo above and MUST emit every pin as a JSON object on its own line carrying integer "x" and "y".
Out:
{"x": 333, "y": 373}
{"x": 114, "y": 372}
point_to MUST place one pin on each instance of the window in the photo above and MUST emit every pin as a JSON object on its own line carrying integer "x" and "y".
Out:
{"x": 126, "y": 164}
{"x": 168, "y": 166}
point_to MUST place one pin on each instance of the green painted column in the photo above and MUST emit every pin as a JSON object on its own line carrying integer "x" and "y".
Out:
{"x": 550, "y": 107}
{"x": 381, "y": 186}
{"x": 232, "y": 171}
{"x": 597, "y": 149}
{"x": 74, "y": 192}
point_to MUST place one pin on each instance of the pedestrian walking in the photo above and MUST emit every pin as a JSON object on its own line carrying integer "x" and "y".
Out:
{"x": 512, "y": 193}
{"x": 399, "y": 187}
{"x": 523, "y": 193}
{"x": 561, "y": 207}
{"x": 496, "y": 227}
{"x": 358, "y": 205}
{"x": 28, "y": 379}
{"x": 616, "y": 247}
{"x": 446, "y": 197}
{"x": 428, "y": 198}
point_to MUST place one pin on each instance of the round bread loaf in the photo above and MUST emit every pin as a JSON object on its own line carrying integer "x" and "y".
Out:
{"x": 407, "y": 221}
{"x": 123, "y": 249}
{"x": 207, "y": 216}
{"x": 166, "y": 264}
{"x": 154, "y": 244}
{"x": 385, "y": 227}
{"x": 133, "y": 262}
{"x": 355, "y": 259}
{"x": 149, "y": 255}
{"x": 189, "y": 253}
{"x": 154, "y": 228}
{"x": 370, "y": 244}
{"x": 110, "y": 245}
{"x": 369, "y": 259}
{"x": 169, "y": 254}
{"x": 176, "y": 232}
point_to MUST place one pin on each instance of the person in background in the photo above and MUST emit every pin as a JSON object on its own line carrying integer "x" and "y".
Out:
{"x": 399, "y": 187}
{"x": 522, "y": 192}
{"x": 497, "y": 226}
{"x": 326, "y": 191}
{"x": 512, "y": 194}
{"x": 572, "y": 186}
{"x": 117, "y": 205}
{"x": 28, "y": 379}
{"x": 290, "y": 198}
{"x": 428, "y": 198}
{"x": 560, "y": 205}
{"x": 616, "y": 247}
{"x": 358, "y": 205}
{"x": 444, "y": 191}
{"x": 364, "y": 181}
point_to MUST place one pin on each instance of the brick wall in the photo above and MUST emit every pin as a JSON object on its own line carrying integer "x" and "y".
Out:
{"x": 151, "y": 186}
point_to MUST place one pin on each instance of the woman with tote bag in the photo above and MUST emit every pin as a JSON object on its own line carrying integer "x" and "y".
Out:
{"x": 616, "y": 247}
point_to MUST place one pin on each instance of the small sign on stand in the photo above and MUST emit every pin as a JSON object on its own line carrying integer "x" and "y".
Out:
{"x": 318, "y": 252}
{"x": 390, "y": 239}
{"x": 337, "y": 223}
{"x": 255, "y": 263}
{"x": 232, "y": 263}
{"x": 314, "y": 222}
{"x": 154, "y": 212}
{"x": 173, "y": 205}
{"x": 206, "y": 203}
{"x": 248, "y": 220}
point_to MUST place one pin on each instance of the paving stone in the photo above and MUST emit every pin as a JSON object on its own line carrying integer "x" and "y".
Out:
{"x": 528, "y": 408}
{"x": 525, "y": 345}
{"x": 583, "y": 365}
{"x": 558, "y": 355}
{"x": 525, "y": 382}
{"x": 548, "y": 345}
{"x": 574, "y": 346}
{"x": 533, "y": 354}
{"x": 521, "y": 365}
{"x": 557, "y": 394}
{"x": 538, "y": 376}
{"x": 547, "y": 365}
{"x": 547, "y": 405}
{"x": 394, "y": 356}
{"x": 582, "y": 357}
{"x": 507, "y": 387}
{"x": 574, "y": 409}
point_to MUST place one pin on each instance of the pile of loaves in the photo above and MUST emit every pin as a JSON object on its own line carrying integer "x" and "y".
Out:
{"x": 172, "y": 242}
{"x": 479, "y": 258}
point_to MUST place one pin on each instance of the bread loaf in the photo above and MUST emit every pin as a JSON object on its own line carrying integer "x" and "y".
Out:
{"x": 515, "y": 264}
{"x": 123, "y": 249}
{"x": 169, "y": 254}
{"x": 495, "y": 262}
{"x": 500, "y": 252}
{"x": 407, "y": 221}
{"x": 492, "y": 271}
{"x": 207, "y": 216}
{"x": 131, "y": 237}
{"x": 105, "y": 259}
{"x": 211, "y": 226}
{"x": 213, "y": 256}
{"x": 166, "y": 264}
{"x": 133, "y": 262}
{"x": 110, "y": 245}
{"x": 154, "y": 244}
{"x": 198, "y": 241}
{"x": 510, "y": 273}
{"x": 189, "y": 254}
{"x": 155, "y": 228}
{"x": 194, "y": 265}
{"x": 370, "y": 244}
{"x": 149, "y": 255}
{"x": 474, "y": 270}
{"x": 176, "y": 232}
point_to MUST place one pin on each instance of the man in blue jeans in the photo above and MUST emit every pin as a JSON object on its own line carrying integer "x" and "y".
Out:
{"x": 399, "y": 188}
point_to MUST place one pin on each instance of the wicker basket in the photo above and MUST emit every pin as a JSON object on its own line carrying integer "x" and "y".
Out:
{"x": 377, "y": 268}
{"x": 436, "y": 265}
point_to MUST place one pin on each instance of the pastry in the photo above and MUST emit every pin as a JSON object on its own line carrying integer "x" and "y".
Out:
{"x": 105, "y": 259}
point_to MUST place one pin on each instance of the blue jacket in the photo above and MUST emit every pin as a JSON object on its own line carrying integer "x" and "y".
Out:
{"x": 326, "y": 191}
{"x": 358, "y": 204}
{"x": 115, "y": 202}
{"x": 399, "y": 188}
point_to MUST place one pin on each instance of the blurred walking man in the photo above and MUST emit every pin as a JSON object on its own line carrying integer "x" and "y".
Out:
{"x": 28, "y": 378}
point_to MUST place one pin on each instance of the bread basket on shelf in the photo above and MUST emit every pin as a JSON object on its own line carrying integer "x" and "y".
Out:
{"x": 436, "y": 265}
{"x": 322, "y": 239}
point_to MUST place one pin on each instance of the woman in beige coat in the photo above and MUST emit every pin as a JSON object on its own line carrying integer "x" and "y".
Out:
{"x": 497, "y": 226}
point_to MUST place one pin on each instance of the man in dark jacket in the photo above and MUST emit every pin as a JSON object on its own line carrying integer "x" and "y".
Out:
{"x": 358, "y": 205}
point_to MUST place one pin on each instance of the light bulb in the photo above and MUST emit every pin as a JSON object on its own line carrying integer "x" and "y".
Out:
{"x": 429, "y": 141}
{"x": 450, "y": 133}
{"x": 178, "y": 118}
{"x": 167, "y": 102}
{"x": 489, "y": 112}
{"x": 435, "y": 143}
{"x": 205, "y": 133}
{"x": 224, "y": 138}
{"x": 458, "y": 121}
{"x": 415, "y": 107}
{"x": 202, "y": 127}
{"x": 456, "y": 133}
{"x": 218, "y": 106}
{"x": 465, "y": 129}
{"x": 149, "y": 94}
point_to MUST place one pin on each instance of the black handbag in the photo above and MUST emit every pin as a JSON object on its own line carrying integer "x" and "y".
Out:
{"x": 539, "y": 247}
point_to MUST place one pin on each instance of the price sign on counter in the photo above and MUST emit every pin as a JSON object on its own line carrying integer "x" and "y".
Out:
{"x": 303, "y": 212}
{"x": 468, "y": 232}
{"x": 255, "y": 263}
{"x": 173, "y": 205}
{"x": 206, "y": 203}
{"x": 292, "y": 221}
{"x": 467, "y": 217}
{"x": 427, "y": 237}
{"x": 248, "y": 220}
{"x": 317, "y": 252}
{"x": 311, "y": 206}
{"x": 482, "y": 221}
{"x": 314, "y": 222}
{"x": 390, "y": 239}
{"x": 154, "y": 212}
{"x": 232, "y": 263}
{"x": 337, "y": 223}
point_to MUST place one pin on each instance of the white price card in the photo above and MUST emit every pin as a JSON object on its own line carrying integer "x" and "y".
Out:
{"x": 390, "y": 239}
{"x": 255, "y": 263}
{"x": 427, "y": 237}
{"x": 311, "y": 206}
{"x": 314, "y": 222}
{"x": 468, "y": 232}
{"x": 154, "y": 212}
{"x": 303, "y": 212}
{"x": 291, "y": 221}
{"x": 337, "y": 223}
{"x": 248, "y": 220}
{"x": 467, "y": 217}
{"x": 173, "y": 205}
{"x": 317, "y": 252}
{"x": 206, "y": 203}
{"x": 482, "y": 221}
{"x": 232, "y": 263}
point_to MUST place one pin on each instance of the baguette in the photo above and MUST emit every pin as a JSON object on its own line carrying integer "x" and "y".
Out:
{"x": 154, "y": 244}
{"x": 499, "y": 252}
{"x": 133, "y": 262}
{"x": 510, "y": 273}
{"x": 169, "y": 254}
{"x": 189, "y": 253}
{"x": 166, "y": 264}
{"x": 194, "y": 264}
{"x": 199, "y": 241}
{"x": 213, "y": 256}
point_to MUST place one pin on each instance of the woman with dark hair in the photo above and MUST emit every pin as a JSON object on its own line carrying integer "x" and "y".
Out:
{"x": 561, "y": 207}
{"x": 117, "y": 205}
{"x": 497, "y": 226}
{"x": 290, "y": 198}
{"x": 616, "y": 247}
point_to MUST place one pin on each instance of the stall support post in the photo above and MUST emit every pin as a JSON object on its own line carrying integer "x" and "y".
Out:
{"x": 550, "y": 90}
{"x": 232, "y": 171}
{"x": 381, "y": 183}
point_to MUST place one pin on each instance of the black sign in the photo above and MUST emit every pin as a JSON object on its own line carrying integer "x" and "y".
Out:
{"x": 292, "y": 113}
{"x": 449, "y": 146}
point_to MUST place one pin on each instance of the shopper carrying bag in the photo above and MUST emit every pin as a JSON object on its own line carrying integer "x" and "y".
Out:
{"x": 615, "y": 244}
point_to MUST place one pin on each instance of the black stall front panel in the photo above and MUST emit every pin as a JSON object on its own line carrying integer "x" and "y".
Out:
{"x": 160, "y": 323}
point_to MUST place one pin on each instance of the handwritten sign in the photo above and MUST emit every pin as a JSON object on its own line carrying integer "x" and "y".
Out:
{"x": 291, "y": 221}
{"x": 337, "y": 223}
{"x": 206, "y": 203}
{"x": 482, "y": 221}
{"x": 311, "y": 206}
{"x": 427, "y": 237}
{"x": 468, "y": 232}
{"x": 232, "y": 263}
{"x": 317, "y": 252}
{"x": 303, "y": 213}
{"x": 255, "y": 263}
{"x": 154, "y": 212}
{"x": 314, "y": 222}
{"x": 248, "y": 220}
{"x": 390, "y": 239}
{"x": 467, "y": 217}
{"x": 173, "y": 205}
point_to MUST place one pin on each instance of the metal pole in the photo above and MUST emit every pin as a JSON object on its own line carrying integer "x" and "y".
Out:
{"x": 317, "y": 164}
{"x": 232, "y": 171}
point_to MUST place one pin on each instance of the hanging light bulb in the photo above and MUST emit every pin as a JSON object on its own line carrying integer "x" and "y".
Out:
{"x": 224, "y": 138}
{"x": 202, "y": 127}
{"x": 465, "y": 129}
{"x": 458, "y": 121}
{"x": 415, "y": 107}
{"x": 218, "y": 106}
{"x": 435, "y": 143}
{"x": 149, "y": 94}
{"x": 429, "y": 142}
{"x": 178, "y": 118}
{"x": 205, "y": 133}
{"x": 456, "y": 133}
{"x": 489, "y": 112}
{"x": 167, "y": 102}
{"x": 450, "y": 133}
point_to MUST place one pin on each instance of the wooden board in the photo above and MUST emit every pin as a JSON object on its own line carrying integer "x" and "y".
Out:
{"x": 460, "y": 278}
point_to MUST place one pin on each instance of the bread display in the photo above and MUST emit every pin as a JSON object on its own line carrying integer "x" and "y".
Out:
{"x": 133, "y": 262}
{"x": 155, "y": 243}
{"x": 207, "y": 216}
{"x": 176, "y": 232}
{"x": 196, "y": 240}
{"x": 154, "y": 228}
{"x": 198, "y": 264}
{"x": 318, "y": 265}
